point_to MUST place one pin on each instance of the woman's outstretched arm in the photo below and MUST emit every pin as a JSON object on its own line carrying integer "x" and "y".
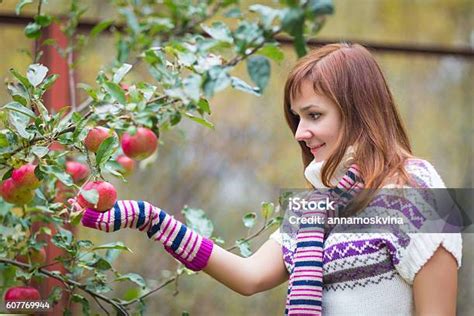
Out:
{"x": 262, "y": 271}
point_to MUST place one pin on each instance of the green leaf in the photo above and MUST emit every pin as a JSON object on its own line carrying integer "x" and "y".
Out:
{"x": 134, "y": 277}
{"x": 268, "y": 14}
{"x": 20, "y": 122}
{"x": 64, "y": 122}
{"x": 39, "y": 151}
{"x": 199, "y": 120}
{"x": 219, "y": 31}
{"x": 75, "y": 218}
{"x": 66, "y": 235}
{"x": 59, "y": 174}
{"x": 43, "y": 20}
{"x": 247, "y": 34}
{"x": 267, "y": 209}
{"x": 115, "y": 91}
{"x": 114, "y": 245}
{"x": 91, "y": 196}
{"x": 203, "y": 104}
{"x": 55, "y": 295}
{"x": 20, "y": 78}
{"x": 19, "y": 93}
{"x": 276, "y": 221}
{"x": 102, "y": 264}
{"x": 197, "y": 220}
{"x": 192, "y": 87}
{"x": 21, "y": 4}
{"x": 244, "y": 247}
{"x": 106, "y": 150}
{"x": 115, "y": 169}
{"x": 121, "y": 72}
{"x": 258, "y": 68}
{"x": 112, "y": 254}
{"x": 77, "y": 298}
{"x": 99, "y": 28}
{"x": 249, "y": 219}
{"x": 271, "y": 51}
{"x": 239, "y": 84}
{"x": 36, "y": 74}
{"x": 45, "y": 230}
{"x": 33, "y": 30}
{"x": 17, "y": 107}
{"x": 293, "y": 24}
{"x": 50, "y": 80}
{"x": 233, "y": 13}
{"x": 89, "y": 90}
{"x": 320, "y": 7}
{"x": 123, "y": 50}
{"x": 131, "y": 18}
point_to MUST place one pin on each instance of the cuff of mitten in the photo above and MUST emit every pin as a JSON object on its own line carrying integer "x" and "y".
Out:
{"x": 89, "y": 219}
{"x": 200, "y": 260}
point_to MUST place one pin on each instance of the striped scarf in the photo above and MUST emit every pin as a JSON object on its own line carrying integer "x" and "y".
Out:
{"x": 305, "y": 287}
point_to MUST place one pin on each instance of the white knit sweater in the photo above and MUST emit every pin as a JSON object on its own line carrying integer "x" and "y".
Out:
{"x": 369, "y": 273}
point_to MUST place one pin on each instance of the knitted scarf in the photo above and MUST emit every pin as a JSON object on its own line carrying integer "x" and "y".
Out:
{"x": 305, "y": 287}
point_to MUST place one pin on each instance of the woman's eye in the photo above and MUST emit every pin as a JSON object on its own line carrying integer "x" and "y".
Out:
{"x": 314, "y": 116}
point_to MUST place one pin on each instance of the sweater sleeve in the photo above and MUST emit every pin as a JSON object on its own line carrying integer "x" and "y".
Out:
{"x": 421, "y": 248}
{"x": 276, "y": 235}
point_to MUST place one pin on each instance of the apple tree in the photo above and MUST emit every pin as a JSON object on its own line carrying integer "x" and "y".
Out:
{"x": 47, "y": 157}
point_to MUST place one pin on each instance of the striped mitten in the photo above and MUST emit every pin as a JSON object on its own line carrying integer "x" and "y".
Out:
{"x": 184, "y": 244}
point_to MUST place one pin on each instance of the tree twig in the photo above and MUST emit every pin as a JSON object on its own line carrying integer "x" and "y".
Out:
{"x": 37, "y": 41}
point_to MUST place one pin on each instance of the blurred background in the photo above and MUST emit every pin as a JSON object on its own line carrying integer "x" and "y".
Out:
{"x": 251, "y": 154}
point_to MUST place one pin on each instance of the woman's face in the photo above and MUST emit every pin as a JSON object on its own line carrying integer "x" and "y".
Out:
{"x": 320, "y": 121}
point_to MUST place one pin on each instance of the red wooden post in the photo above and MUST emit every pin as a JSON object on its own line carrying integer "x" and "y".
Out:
{"x": 55, "y": 98}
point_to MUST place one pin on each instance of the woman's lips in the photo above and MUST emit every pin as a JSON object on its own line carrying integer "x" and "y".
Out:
{"x": 316, "y": 149}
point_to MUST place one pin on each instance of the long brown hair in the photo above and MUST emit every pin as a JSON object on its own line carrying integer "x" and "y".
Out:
{"x": 349, "y": 76}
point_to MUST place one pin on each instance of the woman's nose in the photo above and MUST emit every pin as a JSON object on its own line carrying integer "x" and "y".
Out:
{"x": 302, "y": 133}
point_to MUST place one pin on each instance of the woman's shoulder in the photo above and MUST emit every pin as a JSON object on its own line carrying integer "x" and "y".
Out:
{"x": 423, "y": 173}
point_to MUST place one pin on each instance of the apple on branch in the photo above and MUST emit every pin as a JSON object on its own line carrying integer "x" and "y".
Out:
{"x": 127, "y": 164}
{"x": 22, "y": 293}
{"x": 140, "y": 145}
{"x": 103, "y": 201}
{"x": 15, "y": 194}
{"x": 96, "y": 136}
{"x": 78, "y": 171}
{"x": 24, "y": 177}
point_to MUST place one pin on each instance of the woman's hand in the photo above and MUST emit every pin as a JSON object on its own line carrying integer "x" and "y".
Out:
{"x": 124, "y": 214}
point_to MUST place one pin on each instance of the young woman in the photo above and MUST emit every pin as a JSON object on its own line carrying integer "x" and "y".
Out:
{"x": 340, "y": 110}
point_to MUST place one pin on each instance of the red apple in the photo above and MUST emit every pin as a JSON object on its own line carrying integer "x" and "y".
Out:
{"x": 36, "y": 256}
{"x": 141, "y": 145}
{"x": 78, "y": 171}
{"x": 14, "y": 194}
{"x": 95, "y": 137}
{"x": 107, "y": 196}
{"x": 22, "y": 293}
{"x": 25, "y": 177}
{"x": 127, "y": 164}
